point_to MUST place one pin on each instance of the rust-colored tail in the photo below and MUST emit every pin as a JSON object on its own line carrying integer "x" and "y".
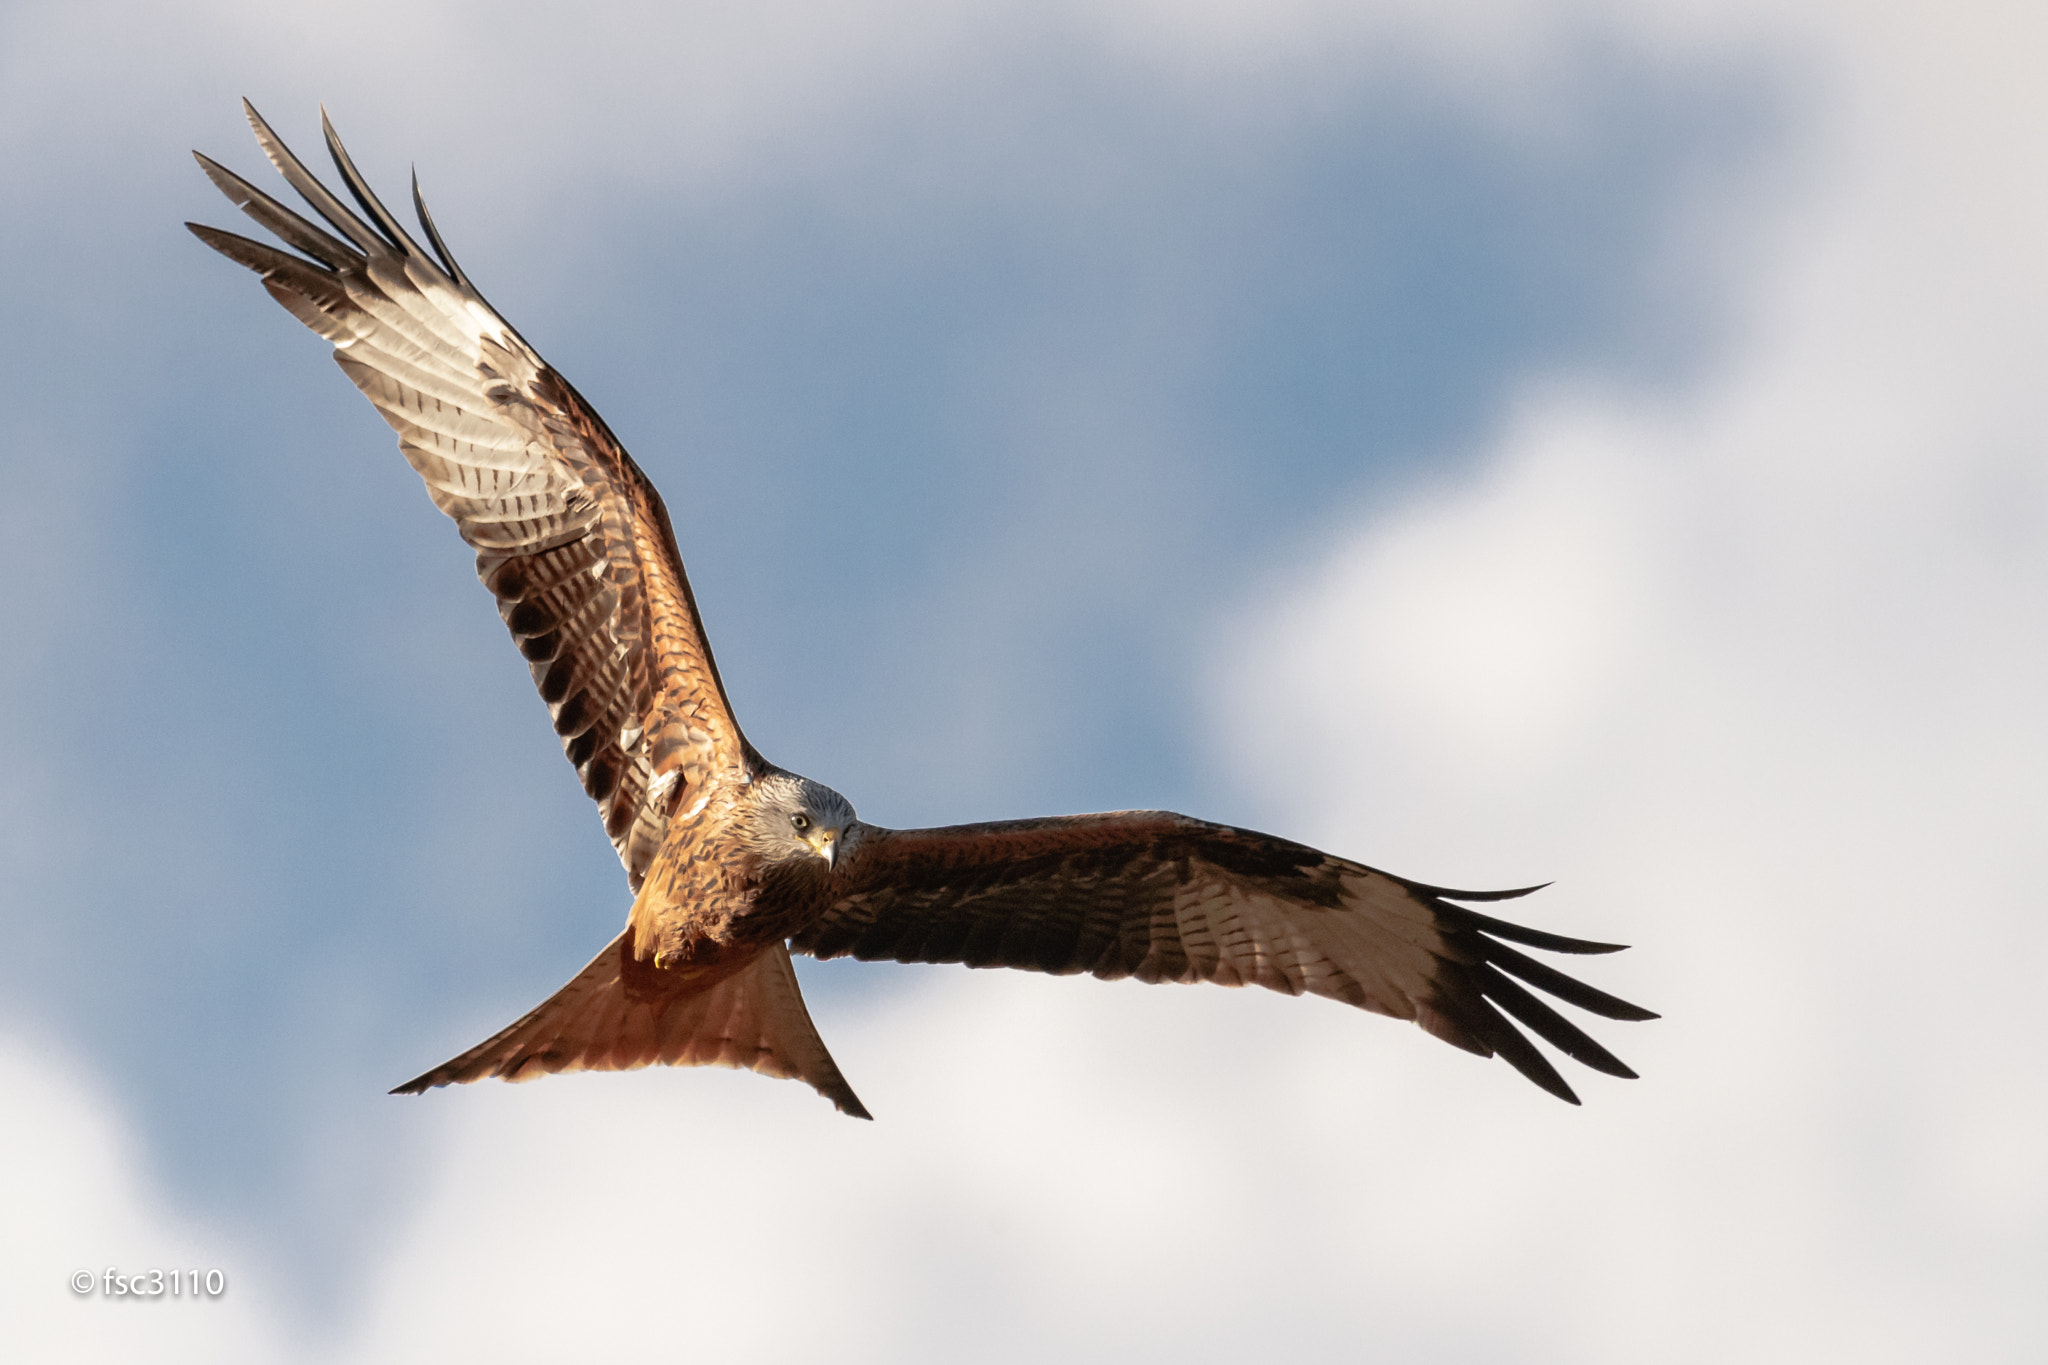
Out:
{"x": 616, "y": 1015}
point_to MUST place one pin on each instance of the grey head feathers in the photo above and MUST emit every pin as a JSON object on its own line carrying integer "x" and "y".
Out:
{"x": 794, "y": 818}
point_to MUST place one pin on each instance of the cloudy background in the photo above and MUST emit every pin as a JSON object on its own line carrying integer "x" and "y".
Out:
{"x": 1503, "y": 442}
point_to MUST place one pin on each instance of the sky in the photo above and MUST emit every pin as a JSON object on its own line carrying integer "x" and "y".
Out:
{"x": 1576, "y": 442}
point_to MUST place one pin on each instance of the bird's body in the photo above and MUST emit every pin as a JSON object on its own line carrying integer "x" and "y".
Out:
{"x": 734, "y": 861}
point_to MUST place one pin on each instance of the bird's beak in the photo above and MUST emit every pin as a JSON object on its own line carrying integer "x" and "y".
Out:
{"x": 825, "y": 843}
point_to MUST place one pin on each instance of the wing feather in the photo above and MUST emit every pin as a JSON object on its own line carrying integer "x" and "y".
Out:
{"x": 1163, "y": 897}
{"x": 570, "y": 536}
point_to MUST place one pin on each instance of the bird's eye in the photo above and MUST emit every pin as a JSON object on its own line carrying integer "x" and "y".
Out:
{"x": 800, "y": 822}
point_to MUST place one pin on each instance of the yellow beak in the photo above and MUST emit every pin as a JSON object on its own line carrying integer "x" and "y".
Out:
{"x": 825, "y": 843}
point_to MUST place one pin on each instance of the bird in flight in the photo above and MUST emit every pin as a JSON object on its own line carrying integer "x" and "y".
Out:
{"x": 734, "y": 863}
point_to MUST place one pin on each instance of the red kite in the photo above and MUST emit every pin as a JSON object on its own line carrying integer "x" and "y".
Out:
{"x": 735, "y": 862}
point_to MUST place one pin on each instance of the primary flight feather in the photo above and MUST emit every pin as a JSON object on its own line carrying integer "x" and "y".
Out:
{"x": 734, "y": 862}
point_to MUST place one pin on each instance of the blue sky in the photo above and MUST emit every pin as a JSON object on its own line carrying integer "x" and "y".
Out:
{"x": 1038, "y": 396}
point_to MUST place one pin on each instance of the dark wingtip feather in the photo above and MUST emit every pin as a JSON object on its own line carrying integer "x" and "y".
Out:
{"x": 441, "y": 250}
{"x": 260, "y": 257}
{"x": 1521, "y": 1054}
{"x": 1449, "y": 894}
{"x": 1534, "y": 938}
{"x": 1569, "y": 989}
{"x": 329, "y": 251}
{"x": 360, "y": 189}
{"x": 224, "y": 180}
{"x": 1549, "y": 1025}
{"x": 227, "y": 244}
{"x": 256, "y": 120}
{"x": 309, "y": 187}
{"x": 1479, "y": 945}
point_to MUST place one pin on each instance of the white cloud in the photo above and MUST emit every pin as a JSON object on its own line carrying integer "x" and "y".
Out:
{"x": 1495, "y": 621}
{"x": 77, "y": 1201}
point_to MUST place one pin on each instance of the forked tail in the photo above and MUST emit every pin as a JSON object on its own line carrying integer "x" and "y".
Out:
{"x": 620, "y": 1013}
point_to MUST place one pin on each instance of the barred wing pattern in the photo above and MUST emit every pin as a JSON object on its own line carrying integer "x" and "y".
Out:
{"x": 570, "y": 536}
{"x": 1162, "y": 897}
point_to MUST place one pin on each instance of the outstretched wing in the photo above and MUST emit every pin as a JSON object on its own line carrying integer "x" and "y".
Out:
{"x": 1162, "y": 897}
{"x": 569, "y": 535}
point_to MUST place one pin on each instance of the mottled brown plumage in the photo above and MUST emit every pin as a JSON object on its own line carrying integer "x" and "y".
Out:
{"x": 735, "y": 861}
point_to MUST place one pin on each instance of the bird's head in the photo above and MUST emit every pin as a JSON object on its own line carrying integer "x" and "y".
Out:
{"x": 792, "y": 818}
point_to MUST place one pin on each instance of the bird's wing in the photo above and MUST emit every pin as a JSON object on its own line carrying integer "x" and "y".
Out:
{"x": 569, "y": 535}
{"x": 1162, "y": 897}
